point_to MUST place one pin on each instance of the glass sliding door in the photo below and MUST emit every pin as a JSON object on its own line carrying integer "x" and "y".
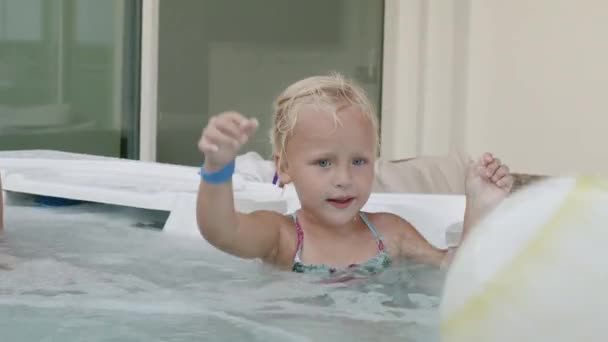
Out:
{"x": 69, "y": 75}
{"x": 217, "y": 55}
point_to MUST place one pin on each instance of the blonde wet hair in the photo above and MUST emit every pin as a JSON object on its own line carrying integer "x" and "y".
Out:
{"x": 330, "y": 93}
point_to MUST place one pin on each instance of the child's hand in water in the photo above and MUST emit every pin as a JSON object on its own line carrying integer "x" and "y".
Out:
{"x": 223, "y": 137}
{"x": 487, "y": 183}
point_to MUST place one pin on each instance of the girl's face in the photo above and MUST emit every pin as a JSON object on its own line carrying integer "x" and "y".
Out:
{"x": 331, "y": 164}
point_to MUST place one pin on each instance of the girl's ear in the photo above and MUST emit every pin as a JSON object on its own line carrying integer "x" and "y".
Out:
{"x": 282, "y": 170}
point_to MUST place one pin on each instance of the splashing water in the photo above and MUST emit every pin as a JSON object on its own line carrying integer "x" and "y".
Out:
{"x": 90, "y": 272}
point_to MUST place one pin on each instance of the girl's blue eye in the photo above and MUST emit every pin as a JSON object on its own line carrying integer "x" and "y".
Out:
{"x": 323, "y": 163}
{"x": 358, "y": 162}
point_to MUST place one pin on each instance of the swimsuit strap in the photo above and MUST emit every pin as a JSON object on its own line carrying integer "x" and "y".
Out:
{"x": 373, "y": 230}
{"x": 300, "y": 235}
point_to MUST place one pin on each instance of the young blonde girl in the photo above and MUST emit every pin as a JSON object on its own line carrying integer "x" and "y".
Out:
{"x": 325, "y": 140}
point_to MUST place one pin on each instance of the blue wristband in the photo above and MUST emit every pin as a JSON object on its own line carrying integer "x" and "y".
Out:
{"x": 220, "y": 176}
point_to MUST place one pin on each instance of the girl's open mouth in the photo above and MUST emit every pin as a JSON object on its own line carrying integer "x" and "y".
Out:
{"x": 341, "y": 202}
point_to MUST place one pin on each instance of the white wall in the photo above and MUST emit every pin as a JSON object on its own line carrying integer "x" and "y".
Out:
{"x": 527, "y": 80}
{"x": 538, "y": 86}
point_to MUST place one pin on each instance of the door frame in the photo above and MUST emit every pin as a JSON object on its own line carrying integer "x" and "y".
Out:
{"x": 148, "y": 112}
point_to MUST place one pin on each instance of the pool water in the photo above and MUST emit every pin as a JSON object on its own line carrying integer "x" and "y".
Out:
{"x": 99, "y": 273}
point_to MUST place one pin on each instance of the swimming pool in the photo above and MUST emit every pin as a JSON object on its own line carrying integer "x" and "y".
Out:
{"x": 98, "y": 273}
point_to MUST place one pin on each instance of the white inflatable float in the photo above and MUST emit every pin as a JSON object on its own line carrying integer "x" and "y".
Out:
{"x": 173, "y": 188}
{"x": 535, "y": 270}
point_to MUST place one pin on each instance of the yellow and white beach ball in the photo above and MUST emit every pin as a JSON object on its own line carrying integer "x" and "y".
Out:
{"x": 536, "y": 269}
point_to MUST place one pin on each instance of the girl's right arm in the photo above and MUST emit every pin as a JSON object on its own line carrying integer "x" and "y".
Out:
{"x": 254, "y": 235}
